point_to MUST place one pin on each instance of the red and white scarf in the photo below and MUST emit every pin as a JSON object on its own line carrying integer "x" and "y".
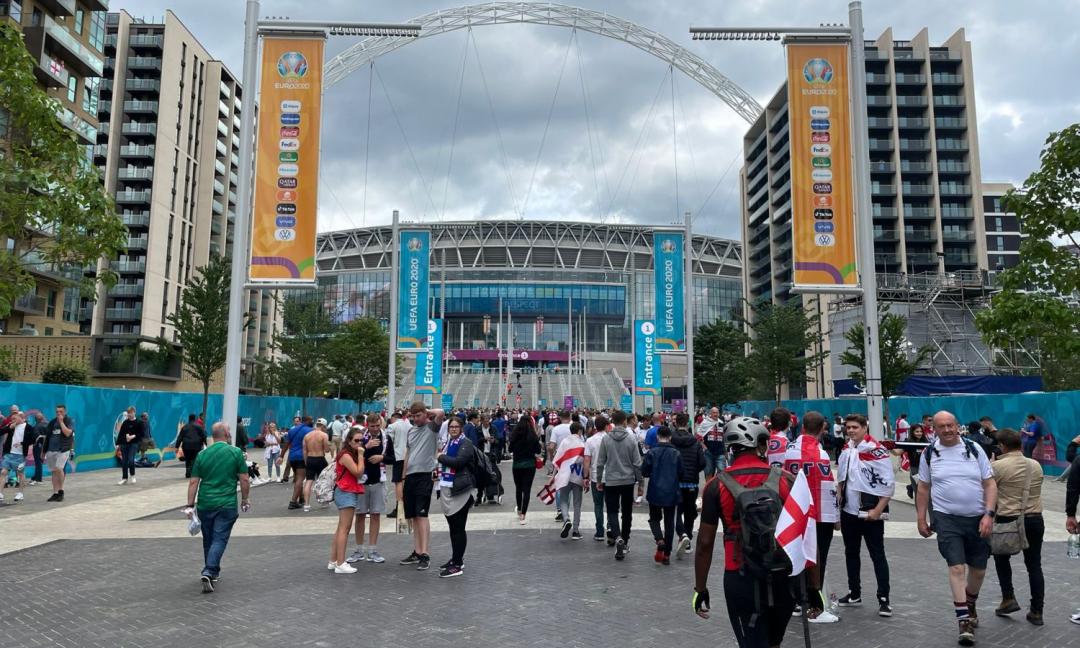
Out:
{"x": 806, "y": 455}
{"x": 869, "y": 467}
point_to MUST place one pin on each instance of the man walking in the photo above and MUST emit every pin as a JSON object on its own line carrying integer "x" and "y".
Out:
{"x": 294, "y": 444}
{"x": 779, "y": 422}
{"x": 867, "y": 484}
{"x": 59, "y": 440}
{"x": 212, "y": 496}
{"x": 129, "y": 434}
{"x": 693, "y": 460}
{"x": 592, "y": 447}
{"x": 663, "y": 467}
{"x": 190, "y": 440}
{"x": 14, "y": 453}
{"x": 711, "y": 433}
{"x": 316, "y": 446}
{"x": 956, "y": 476}
{"x": 618, "y": 471}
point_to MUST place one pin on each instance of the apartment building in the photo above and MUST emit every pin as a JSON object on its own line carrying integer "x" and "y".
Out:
{"x": 66, "y": 40}
{"x": 169, "y": 147}
{"x": 1002, "y": 228}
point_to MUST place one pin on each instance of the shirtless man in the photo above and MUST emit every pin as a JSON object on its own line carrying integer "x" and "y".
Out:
{"x": 316, "y": 447}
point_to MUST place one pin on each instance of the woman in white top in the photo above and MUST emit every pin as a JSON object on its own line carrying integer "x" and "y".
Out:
{"x": 272, "y": 442}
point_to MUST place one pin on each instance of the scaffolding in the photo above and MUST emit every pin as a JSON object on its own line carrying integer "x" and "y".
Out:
{"x": 941, "y": 309}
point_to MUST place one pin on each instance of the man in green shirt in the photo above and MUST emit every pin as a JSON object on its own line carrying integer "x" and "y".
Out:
{"x": 213, "y": 479}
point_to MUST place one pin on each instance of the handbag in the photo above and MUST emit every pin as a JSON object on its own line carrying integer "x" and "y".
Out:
{"x": 539, "y": 463}
{"x": 1009, "y": 538}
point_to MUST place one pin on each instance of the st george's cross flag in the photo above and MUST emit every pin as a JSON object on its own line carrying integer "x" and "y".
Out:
{"x": 796, "y": 530}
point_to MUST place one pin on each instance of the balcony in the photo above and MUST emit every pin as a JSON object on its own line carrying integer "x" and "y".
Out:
{"x": 129, "y": 266}
{"x": 52, "y": 36}
{"x": 878, "y": 100}
{"x": 914, "y": 145}
{"x": 136, "y": 219}
{"x": 101, "y": 150}
{"x": 955, "y": 213}
{"x": 879, "y": 144}
{"x": 136, "y": 242}
{"x": 119, "y": 354}
{"x": 218, "y": 207}
{"x": 942, "y": 101}
{"x": 920, "y": 235}
{"x": 142, "y": 85}
{"x": 882, "y": 167}
{"x": 918, "y": 190}
{"x": 30, "y": 304}
{"x": 952, "y": 145}
{"x": 883, "y": 212}
{"x": 911, "y": 101}
{"x": 133, "y": 151}
{"x": 232, "y": 198}
{"x": 110, "y": 40}
{"x": 98, "y": 5}
{"x": 144, "y": 63}
{"x": 957, "y": 236}
{"x": 913, "y": 123}
{"x": 150, "y": 107}
{"x": 953, "y": 166}
{"x": 950, "y": 123}
{"x": 877, "y": 78}
{"x": 128, "y": 197}
{"x": 58, "y": 7}
{"x": 127, "y": 290}
{"x": 84, "y": 129}
{"x": 147, "y": 41}
{"x": 51, "y": 72}
{"x": 879, "y": 122}
{"x": 885, "y": 235}
{"x": 922, "y": 259}
{"x": 876, "y": 55}
{"x": 918, "y": 213}
{"x": 136, "y": 173}
{"x": 221, "y": 148}
{"x": 943, "y": 78}
{"x": 879, "y": 189}
{"x": 905, "y": 78}
{"x": 139, "y": 128}
{"x": 907, "y": 166}
{"x": 955, "y": 190}
{"x": 124, "y": 313}
{"x": 219, "y": 166}
{"x": 960, "y": 258}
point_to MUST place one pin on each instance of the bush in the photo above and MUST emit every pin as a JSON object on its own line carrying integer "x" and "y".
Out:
{"x": 66, "y": 373}
{"x": 8, "y": 368}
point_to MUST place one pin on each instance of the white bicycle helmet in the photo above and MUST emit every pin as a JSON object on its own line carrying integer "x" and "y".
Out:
{"x": 745, "y": 431}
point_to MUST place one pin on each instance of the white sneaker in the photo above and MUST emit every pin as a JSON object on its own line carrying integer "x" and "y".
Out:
{"x": 344, "y": 568}
{"x": 637, "y": 500}
{"x": 823, "y": 617}
{"x": 684, "y": 546}
{"x": 18, "y": 496}
{"x": 1, "y": 497}
{"x": 1075, "y": 618}
{"x": 121, "y": 482}
{"x": 132, "y": 480}
{"x": 331, "y": 565}
{"x": 307, "y": 508}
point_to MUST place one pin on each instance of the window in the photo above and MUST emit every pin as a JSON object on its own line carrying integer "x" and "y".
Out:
{"x": 90, "y": 95}
{"x": 73, "y": 88}
{"x": 50, "y": 309}
{"x": 97, "y": 31}
{"x": 80, "y": 17}
{"x": 999, "y": 243}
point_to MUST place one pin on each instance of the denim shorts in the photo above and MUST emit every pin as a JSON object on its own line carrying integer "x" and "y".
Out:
{"x": 959, "y": 541}
{"x": 13, "y": 462}
{"x": 344, "y": 499}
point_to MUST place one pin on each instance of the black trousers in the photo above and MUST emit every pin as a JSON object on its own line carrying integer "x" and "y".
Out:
{"x": 39, "y": 461}
{"x": 1034, "y": 528}
{"x": 458, "y": 539}
{"x": 523, "y": 479}
{"x": 855, "y": 530}
{"x": 190, "y": 452}
{"x": 667, "y": 513}
{"x": 127, "y": 459}
{"x": 756, "y": 623}
{"x": 825, "y": 532}
{"x": 619, "y": 501}
{"x": 687, "y": 513}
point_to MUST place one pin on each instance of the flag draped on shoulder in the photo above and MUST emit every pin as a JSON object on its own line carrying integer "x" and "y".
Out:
{"x": 796, "y": 530}
{"x": 568, "y": 461}
{"x": 805, "y": 455}
{"x": 869, "y": 467}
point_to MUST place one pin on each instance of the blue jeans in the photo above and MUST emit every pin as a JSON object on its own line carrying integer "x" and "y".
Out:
{"x": 598, "y": 511}
{"x": 127, "y": 458}
{"x": 714, "y": 462}
{"x": 216, "y": 529}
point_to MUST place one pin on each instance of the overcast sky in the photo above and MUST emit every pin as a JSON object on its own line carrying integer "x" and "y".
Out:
{"x": 615, "y": 161}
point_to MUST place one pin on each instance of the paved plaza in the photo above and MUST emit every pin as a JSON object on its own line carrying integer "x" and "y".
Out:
{"x": 112, "y": 567}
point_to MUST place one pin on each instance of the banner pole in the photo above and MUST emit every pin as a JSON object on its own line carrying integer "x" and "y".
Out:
{"x": 391, "y": 396}
{"x": 240, "y": 260}
{"x": 688, "y": 290}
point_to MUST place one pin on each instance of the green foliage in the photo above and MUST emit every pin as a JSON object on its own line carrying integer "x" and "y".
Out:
{"x": 202, "y": 322}
{"x": 720, "y": 364}
{"x": 66, "y": 372}
{"x": 52, "y": 202}
{"x": 357, "y": 356}
{"x": 782, "y": 344}
{"x": 8, "y": 368}
{"x": 136, "y": 358}
{"x": 899, "y": 359}
{"x": 1033, "y": 308}
{"x": 304, "y": 342}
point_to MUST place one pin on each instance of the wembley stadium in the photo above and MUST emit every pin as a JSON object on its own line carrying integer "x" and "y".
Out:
{"x": 545, "y": 275}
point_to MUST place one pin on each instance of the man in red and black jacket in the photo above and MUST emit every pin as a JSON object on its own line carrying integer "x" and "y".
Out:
{"x": 759, "y": 609}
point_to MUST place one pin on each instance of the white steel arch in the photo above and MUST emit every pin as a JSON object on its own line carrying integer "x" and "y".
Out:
{"x": 557, "y": 15}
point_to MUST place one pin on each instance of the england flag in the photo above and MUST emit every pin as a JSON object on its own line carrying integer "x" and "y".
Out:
{"x": 796, "y": 530}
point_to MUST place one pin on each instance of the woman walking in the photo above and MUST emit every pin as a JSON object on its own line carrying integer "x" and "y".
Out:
{"x": 1019, "y": 486}
{"x": 347, "y": 493}
{"x": 527, "y": 452}
{"x": 271, "y": 439}
{"x": 456, "y": 486}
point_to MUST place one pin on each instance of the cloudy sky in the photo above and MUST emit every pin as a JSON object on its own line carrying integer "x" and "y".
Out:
{"x": 440, "y": 143}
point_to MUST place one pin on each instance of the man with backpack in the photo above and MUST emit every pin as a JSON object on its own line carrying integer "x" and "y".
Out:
{"x": 663, "y": 468}
{"x": 955, "y": 475}
{"x": 747, "y": 498}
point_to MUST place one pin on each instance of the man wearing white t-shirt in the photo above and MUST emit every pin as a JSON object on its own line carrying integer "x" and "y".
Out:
{"x": 956, "y": 477}
{"x": 557, "y": 435}
{"x": 902, "y": 427}
{"x": 592, "y": 446}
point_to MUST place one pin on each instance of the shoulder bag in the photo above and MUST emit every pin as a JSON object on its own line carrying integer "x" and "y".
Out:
{"x": 1009, "y": 538}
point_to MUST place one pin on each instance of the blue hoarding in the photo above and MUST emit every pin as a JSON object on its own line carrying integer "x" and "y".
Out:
{"x": 414, "y": 268}
{"x": 646, "y": 361}
{"x": 670, "y": 317}
{"x": 429, "y": 362}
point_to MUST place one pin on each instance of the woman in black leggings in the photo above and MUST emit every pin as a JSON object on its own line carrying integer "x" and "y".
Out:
{"x": 525, "y": 448}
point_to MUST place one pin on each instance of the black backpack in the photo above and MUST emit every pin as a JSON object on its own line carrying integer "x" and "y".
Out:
{"x": 758, "y": 510}
{"x": 483, "y": 471}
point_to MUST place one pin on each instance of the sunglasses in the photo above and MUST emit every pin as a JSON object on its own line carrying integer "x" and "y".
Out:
{"x": 357, "y": 440}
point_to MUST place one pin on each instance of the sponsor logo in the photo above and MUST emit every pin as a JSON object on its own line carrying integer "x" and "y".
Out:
{"x": 823, "y": 187}
{"x": 819, "y": 137}
{"x": 286, "y": 208}
{"x": 290, "y": 105}
{"x": 822, "y": 202}
{"x": 824, "y": 240}
{"x": 287, "y": 183}
{"x": 289, "y": 144}
{"x": 285, "y": 221}
{"x": 288, "y": 156}
{"x": 648, "y": 328}
{"x": 817, "y": 71}
{"x": 823, "y": 150}
{"x": 284, "y": 195}
{"x": 823, "y": 214}
{"x": 414, "y": 245}
{"x": 821, "y": 162}
{"x": 290, "y": 131}
{"x": 817, "y": 175}
{"x": 823, "y": 227}
{"x": 819, "y": 124}
{"x": 288, "y": 169}
{"x": 290, "y": 119}
{"x": 819, "y": 112}
{"x": 293, "y": 65}
{"x": 285, "y": 234}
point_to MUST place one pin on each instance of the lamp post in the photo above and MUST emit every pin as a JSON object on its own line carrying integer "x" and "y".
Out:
{"x": 864, "y": 245}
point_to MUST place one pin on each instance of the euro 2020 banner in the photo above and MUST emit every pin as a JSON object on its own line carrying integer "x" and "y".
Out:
{"x": 429, "y": 362}
{"x": 414, "y": 269}
{"x": 647, "y": 376}
{"x": 670, "y": 317}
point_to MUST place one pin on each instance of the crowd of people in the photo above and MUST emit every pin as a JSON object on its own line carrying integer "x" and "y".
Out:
{"x": 974, "y": 486}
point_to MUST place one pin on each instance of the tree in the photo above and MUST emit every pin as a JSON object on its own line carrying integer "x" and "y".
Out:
{"x": 1033, "y": 307}
{"x": 720, "y": 367}
{"x": 52, "y": 202}
{"x": 357, "y": 355}
{"x": 899, "y": 357}
{"x": 782, "y": 344}
{"x": 304, "y": 342}
{"x": 65, "y": 372}
{"x": 202, "y": 322}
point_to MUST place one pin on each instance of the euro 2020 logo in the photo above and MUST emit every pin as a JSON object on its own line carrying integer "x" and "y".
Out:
{"x": 668, "y": 246}
{"x": 415, "y": 245}
{"x": 817, "y": 70}
{"x": 648, "y": 328}
{"x": 292, "y": 65}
